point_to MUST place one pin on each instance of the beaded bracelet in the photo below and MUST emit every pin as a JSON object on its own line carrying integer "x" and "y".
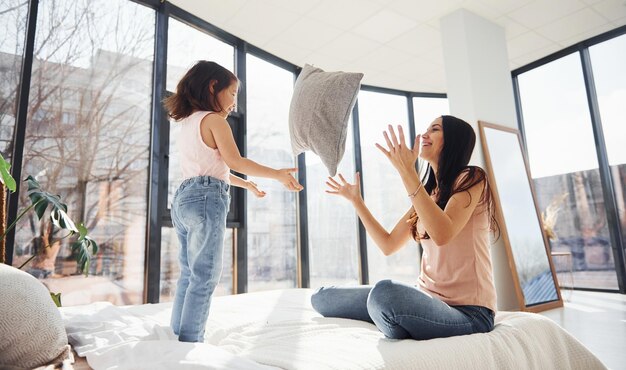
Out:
{"x": 413, "y": 194}
{"x": 419, "y": 171}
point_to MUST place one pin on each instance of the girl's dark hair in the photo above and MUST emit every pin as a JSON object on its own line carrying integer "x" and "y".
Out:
{"x": 193, "y": 93}
{"x": 454, "y": 175}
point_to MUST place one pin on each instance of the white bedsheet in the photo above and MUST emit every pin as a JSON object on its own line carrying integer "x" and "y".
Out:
{"x": 280, "y": 329}
{"x": 139, "y": 337}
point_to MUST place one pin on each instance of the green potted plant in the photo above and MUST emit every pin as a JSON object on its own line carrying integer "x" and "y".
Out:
{"x": 44, "y": 203}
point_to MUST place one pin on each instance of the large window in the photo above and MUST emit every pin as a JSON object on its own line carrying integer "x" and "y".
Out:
{"x": 13, "y": 15}
{"x": 608, "y": 60}
{"x": 187, "y": 45}
{"x": 88, "y": 139}
{"x": 272, "y": 227}
{"x": 384, "y": 192}
{"x": 332, "y": 222}
{"x": 564, "y": 168}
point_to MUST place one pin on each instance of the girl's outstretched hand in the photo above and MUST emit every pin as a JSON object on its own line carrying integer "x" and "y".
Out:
{"x": 351, "y": 192}
{"x": 251, "y": 186}
{"x": 288, "y": 181}
{"x": 399, "y": 154}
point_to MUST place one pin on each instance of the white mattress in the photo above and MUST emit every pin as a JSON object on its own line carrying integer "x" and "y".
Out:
{"x": 280, "y": 329}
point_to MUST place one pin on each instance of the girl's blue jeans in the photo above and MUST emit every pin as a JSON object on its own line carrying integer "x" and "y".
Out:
{"x": 402, "y": 311}
{"x": 199, "y": 211}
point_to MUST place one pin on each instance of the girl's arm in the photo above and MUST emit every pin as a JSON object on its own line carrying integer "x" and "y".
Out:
{"x": 441, "y": 225}
{"x": 388, "y": 243}
{"x": 225, "y": 142}
{"x": 246, "y": 184}
{"x": 238, "y": 181}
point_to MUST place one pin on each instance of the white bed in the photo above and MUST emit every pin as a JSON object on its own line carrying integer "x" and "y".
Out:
{"x": 280, "y": 329}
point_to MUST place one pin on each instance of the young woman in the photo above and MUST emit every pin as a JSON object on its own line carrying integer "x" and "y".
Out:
{"x": 451, "y": 215}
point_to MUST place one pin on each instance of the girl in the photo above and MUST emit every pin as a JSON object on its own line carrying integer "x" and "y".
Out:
{"x": 450, "y": 215}
{"x": 204, "y": 97}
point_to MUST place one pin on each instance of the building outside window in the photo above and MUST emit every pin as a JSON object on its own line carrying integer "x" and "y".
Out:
{"x": 105, "y": 80}
{"x": 564, "y": 168}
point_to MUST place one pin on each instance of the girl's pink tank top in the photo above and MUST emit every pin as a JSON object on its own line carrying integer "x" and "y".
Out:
{"x": 197, "y": 158}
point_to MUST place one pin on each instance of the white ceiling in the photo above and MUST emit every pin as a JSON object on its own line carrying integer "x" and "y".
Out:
{"x": 397, "y": 43}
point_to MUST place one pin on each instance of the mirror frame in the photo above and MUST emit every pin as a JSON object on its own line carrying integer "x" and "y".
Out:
{"x": 503, "y": 229}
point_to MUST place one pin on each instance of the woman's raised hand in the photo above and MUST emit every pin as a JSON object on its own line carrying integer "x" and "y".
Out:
{"x": 351, "y": 192}
{"x": 399, "y": 154}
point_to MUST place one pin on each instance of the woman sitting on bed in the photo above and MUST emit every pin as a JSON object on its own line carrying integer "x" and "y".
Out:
{"x": 451, "y": 216}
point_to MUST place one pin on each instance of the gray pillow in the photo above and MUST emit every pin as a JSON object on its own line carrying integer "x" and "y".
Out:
{"x": 319, "y": 113}
{"x": 32, "y": 331}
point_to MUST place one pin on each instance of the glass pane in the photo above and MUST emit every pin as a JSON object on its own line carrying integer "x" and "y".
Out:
{"x": 170, "y": 270}
{"x": 272, "y": 227}
{"x": 13, "y": 16}
{"x": 425, "y": 110}
{"x": 88, "y": 139}
{"x": 187, "y": 45}
{"x": 608, "y": 60}
{"x": 565, "y": 172}
{"x": 333, "y": 227}
{"x": 385, "y": 195}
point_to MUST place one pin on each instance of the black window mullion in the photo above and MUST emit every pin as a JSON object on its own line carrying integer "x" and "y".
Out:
{"x": 358, "y": 166}
{"x": 303, "y": 234}
{"x": 240, "y": 272}
{"x": 518, "y": 111}
{"x": 157, "y": 186}
{"x": 411, "y": 113}
{"x": 304, "y": 258}
{"x": 19, "y": 135}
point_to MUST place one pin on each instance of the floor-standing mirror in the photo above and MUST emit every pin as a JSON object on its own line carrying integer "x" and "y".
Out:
{"x": 520, "y": 223}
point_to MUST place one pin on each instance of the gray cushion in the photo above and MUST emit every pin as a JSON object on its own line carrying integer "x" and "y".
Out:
{"x": 32, "y": 331}
{"x": 319, "y": 113}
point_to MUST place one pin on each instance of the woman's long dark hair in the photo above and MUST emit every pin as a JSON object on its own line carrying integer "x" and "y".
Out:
{"x": 193, "y": 90}
{"x": 454, "y": 174}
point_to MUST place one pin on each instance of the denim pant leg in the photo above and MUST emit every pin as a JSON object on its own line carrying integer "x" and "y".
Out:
{"x": 185, "y": 272}
{"x": 201, "y": 213}
{"x": 403, "y": 311}
{"x": 344, "y": 302}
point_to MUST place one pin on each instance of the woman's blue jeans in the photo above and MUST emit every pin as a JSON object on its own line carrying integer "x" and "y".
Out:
{"x": 402, "y": 311}
{"x": 199, "y": 210}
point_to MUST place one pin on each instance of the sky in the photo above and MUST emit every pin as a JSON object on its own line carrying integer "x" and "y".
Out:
{"x": 557, "y": 121}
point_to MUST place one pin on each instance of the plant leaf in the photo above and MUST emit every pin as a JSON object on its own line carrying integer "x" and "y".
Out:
{"x": 82, "y": 247}
{"x": 56, "y": 297}
{"x": 44, "y": 200}
{"x": 82, "y": 231}
{"x": 5, "y": 175}
{"x": 62, "y": 220}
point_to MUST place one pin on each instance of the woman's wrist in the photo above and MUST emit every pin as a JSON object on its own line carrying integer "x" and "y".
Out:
{"x": 408, "y": 173}
{"x": 356, "y": 201}
{"x": 417, "y": 189}
{"x": 413, "y": 185}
